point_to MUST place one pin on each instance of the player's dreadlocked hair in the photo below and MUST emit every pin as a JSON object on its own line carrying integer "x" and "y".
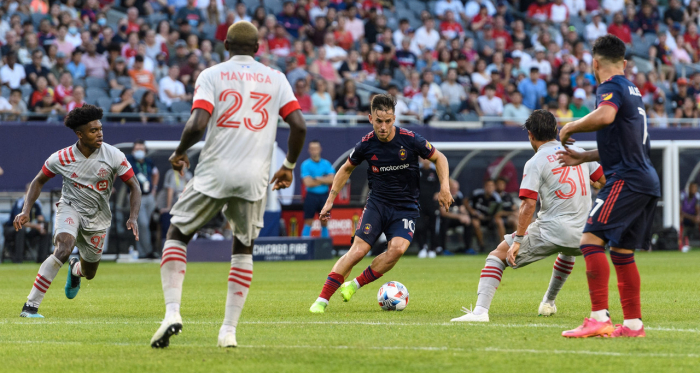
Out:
{"x": 609, "y": 47}
{"x": 542, "y": 125}
{"x": 82, "y": 115}
{"x": 382, "y": 102}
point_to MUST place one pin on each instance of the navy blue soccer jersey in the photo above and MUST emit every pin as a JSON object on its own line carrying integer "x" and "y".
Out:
{"x": 624, "y": 145}
{"x": 393, "y": 173}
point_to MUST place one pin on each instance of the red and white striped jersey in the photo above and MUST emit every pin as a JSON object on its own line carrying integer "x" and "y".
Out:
{"x": 245, "y": 99}
{"x": 564, "y": 192}
{"x": 87, "y": 182}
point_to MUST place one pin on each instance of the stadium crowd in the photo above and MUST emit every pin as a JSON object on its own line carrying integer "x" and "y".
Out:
{"x": 445, "y": 60}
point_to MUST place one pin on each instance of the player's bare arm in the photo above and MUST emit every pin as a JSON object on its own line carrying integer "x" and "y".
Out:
{"x": 443, "y": 170}
{"x": 599, "y": 184}
{"x": 597, "y": 119}
{"x": 297, "y": 134}
{"x": 339, "y": 181}
{"x": 527, "y": 209}
{"x": 570, "y": 157}
{"x": 134, "y": 205}
{"x": 193, "y": 132}
{"x": 29, "y": 200}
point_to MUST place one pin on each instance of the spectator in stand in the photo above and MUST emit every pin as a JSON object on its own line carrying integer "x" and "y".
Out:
{"x": 612, "y": 6}
{"x": 481, "y": 19}
{"x": 241, "y": 12}
{"x": 515, "y": 112}
{"x": 689, "y": 110}
{"x": 142, "y": 78}
{"x": 222, "y": 29}
{"x": 47, "y": 105}
{"x": 64, "y": 90}
{"x": 533, "y": 90}
{"x": 148, "y": 106}
{"x": 288, "y": 19}
{"x": 41, "y": 89}
{"x": 125, "y": 103}
{"x": 483, "y": 207}
{"x": 442, "y": 7}
{"x": 36, "y": 231}
{"x": 335, "y": 54}
{"x": 12, "y": 74}
{"x": 562, "y": 111}
{"x": 679, "y": 97}
{"x": 424, "y": 103}
{"x": 18, "y": 106}
{"x": 96, "y": 65}
{"x": 620, "y": 29}
{"x": 558, "y": 12}
{"x": 294, "y": 72}
{"x": 658, "y": 114}
{"x": 324, "y": 68}
{"x": 36, "y": 69}
{"x": 60, "y": 41}
{"x": 646, "y": 21}
{"x": 691, "y": 41}
{"x": 321, "y": 100}
{"x": 674, "y": 13}
{"x": 317, "y": 33}
{"x": 354, "y": 24}
{"x": 171, "y": 89}
{"x": 78, "y": 99}
{"x": 452, "y": 92}
{"x": 577, "y": 107}
{"x": 682, "y": 54}
{"x": 426, "y": 35}
{"x": 320, "y": 10}
{"x": 343, "y": 37}
{"x": 596, "y": 28}
{"x": 480, "y": 78}
{"x": 401, "y": 32}
{"x": 472, "y": 7}
{"x": 538, "y": 12}
{"x": 300, "y": 92}
{"x": 491, "y": 106}
{"x": 694, "y": 88}
{"x": 349, "y": 102}
{"x": 279, "y": 44}
{"x": 191, "y": 14}
{"x": 470, "y": 106}
{"x": 541, "y": 63}
{"x": 690, "y": 213}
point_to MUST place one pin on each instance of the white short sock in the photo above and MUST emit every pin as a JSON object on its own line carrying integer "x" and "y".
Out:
{"x": 602, "y": 315}
{"x": 478, "y": 310}
{"x": 172, "y": 309}
{"x": 319, "y": 299}
{"x": 633, "y": 324}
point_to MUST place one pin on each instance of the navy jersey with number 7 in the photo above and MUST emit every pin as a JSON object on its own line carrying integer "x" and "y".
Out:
{"x": 393, "y": 174}
{"x": 624, "y": 145}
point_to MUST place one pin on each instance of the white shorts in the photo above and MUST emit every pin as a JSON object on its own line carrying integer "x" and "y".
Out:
{"x": 535, "y": 248}
{"x": 89, "y": 243}
{"x": 194, "y": 209}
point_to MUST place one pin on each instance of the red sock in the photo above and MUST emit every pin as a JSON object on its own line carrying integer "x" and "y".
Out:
{"x": 332, "y": 284}
{"x": 367, "y": 276}
{"x": 628, "y": 284}
{"x": 598, "y": 273}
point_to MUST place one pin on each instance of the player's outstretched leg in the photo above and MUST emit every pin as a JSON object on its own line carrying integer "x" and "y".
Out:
{"x": 47, "y": 273}
{"x": 173, "y": 266}
{"x": 488, "y": 283}
{"x": 598, "y": 274}
{"x": 340, "y": 271}
{"x": 628, "y": 284}
{"x": 382, "y": 264}
{"x": 563, "y": 266}
{"x": 239, "y": 279}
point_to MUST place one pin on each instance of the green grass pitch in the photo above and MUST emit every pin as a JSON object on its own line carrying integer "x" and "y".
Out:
{"x": 108, "y": 326}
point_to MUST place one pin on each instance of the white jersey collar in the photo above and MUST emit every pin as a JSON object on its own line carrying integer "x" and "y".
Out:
{"x": 242, "y": 58}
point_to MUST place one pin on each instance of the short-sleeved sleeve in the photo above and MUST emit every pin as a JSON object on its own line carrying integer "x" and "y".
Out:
{"x": 531, "y": 181}
{"x": 608, "y": 94}
{"x": 124, "y": 170}
{"x": 204, "y": 93}
{"x": 305, "y": 169}
{"x": 288, "y": 102}
{"x": 357, "y": 155}
{"x": 329, "y": 169}
{"x": 423, "y": 147}
{"x": 50, "y": 167}
{"x": 596, "y": 170}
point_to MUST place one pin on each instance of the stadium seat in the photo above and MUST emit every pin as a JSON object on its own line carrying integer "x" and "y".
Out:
{"x": 36, "y": 18}
{"x": 181, "y": 107}
{"x": 643, "y": 64}
{"x": 95, "y": 93}
{"x": 26, "y": 90}
{"x": 162, "y": 107}
{"x": 115, "y": 92}
{"x": 125, "y": 81}
{"x": 105, "y": 103}
{"x": 5, "y": 91}
{"x": 138, "y": 94}
{"x": 79, "y": 81}
{"x": 209, "y": 32}
{"x": 274, "y": 7}
{"x": 93, "y": 82}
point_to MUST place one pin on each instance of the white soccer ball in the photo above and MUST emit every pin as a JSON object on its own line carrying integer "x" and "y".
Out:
{"x": 393, "y": 296}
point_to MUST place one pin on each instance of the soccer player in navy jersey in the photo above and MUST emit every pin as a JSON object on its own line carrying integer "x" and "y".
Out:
{"x": 392, "y": 205}
{"x": 624, "y": 210}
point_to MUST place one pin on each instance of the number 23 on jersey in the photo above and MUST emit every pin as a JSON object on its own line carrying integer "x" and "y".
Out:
{"x": 226, "y": 119}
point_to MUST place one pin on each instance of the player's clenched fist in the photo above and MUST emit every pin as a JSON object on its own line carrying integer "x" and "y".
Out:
{"x": 325, "y": 214}
{"x": 20, "y": 220}
{"x": 445, "y": 198}
{"x": 180, "y": 162}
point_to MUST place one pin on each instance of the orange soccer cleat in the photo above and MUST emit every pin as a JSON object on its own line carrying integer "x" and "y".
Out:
{"x": 591, "y": 328}
{"x": 623, "y": 331}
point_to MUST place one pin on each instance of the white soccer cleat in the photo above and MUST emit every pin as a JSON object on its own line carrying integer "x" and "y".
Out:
{"x": 469, "y": 316}
{"x": 423, "y": 253}
{"x": 168, "y": 328}
{"x": 547, "y": 309}
{"x": 227, "y": 338}
{"x": 431, "y": 254}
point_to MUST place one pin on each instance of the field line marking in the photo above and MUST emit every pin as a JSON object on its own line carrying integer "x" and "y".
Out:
{"x": 388, "y": 348}
{"x": 377, "y": 323}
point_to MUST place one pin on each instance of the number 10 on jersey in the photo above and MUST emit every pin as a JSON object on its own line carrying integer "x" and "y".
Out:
{"x": 225, "y": 119}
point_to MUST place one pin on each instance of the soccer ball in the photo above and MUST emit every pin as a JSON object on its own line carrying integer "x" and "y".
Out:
{"x": 393, "y": 296}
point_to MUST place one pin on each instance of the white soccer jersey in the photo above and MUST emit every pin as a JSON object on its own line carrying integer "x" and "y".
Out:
{"x": 565, "y": 194}
{"x": 245, "y": 99}
{"x": 87, "y": 182}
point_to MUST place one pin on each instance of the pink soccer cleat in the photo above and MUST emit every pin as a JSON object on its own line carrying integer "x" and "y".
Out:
{"x": 623, "y": 331}
{"x": 591, "y": 328}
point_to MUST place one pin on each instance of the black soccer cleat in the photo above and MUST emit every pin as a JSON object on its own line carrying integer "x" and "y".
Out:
{"x": 30, "y": 312}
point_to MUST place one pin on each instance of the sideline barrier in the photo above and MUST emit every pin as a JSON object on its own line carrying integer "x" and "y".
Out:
{"x": 266, "y": 249}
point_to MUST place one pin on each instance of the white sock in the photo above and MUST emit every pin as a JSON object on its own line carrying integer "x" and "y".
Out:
{"x": 563, "y": 266}
{"x": 173, "y": 265}
{"x": 548, "y": 301}
{"x": 47, "y": 272}
{"x": 322, "y": 300}
{"x": 602, "y": 315}
{"x": 478, "y": 310}
{"x": 227, "y": 329}
{"x": 489, "y": 281}
{"x": 239, "y": 280}
{"x": 633, "y": 324}
{"x": 172, "y": 309}
{"x": 77, "y": 270}
{"x": 357, "y": 283}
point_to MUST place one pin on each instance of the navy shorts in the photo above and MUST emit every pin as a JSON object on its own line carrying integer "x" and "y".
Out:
{"x": 378, "y": 218}
{"x": 622, "y": 217}
{"x": 313, "y": 203}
